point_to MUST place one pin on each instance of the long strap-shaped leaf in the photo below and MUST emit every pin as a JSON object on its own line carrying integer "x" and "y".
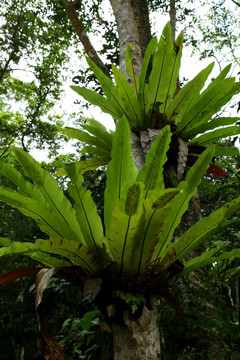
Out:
{"x": 96, "y": 99}
{"x": 187, "y": 188}
{"x": 214, "y": 136}
{"x": 9, "y": 247}
{"x": 224, "y": 97}
{"x": 99, "y": 130}
{"x": 25, "y": 248}
{"x": 126, "y": 228}
{"x": 212, "y": 124}
{"x": 157, "y": 213}
{"x": 24, "y": 187}
{"x": 151, "y": 174}
{"x": 129, "y": 99}
{"x": 191, "y": 95}
{"x": 86, "y": 210}
{"x": 197, "y": 232}
{"x": 226, "y": 151}
{"x": 77, "y": 253}
{"x": 230, "y": 273}
{"x": 187, "y": 96}
{"x": 151, "y": 48}
{"x": 206, "y": 258}
{"x": 220, "y": 77}
{"x": 85, "y": 137}
{"x": 48, "y": 219}
{"x": 96, "y": 152}
{"x": 208, "y": 103}
{"x": 50, "y": 190}
{"x": 163, "y": 74}
{"x": 108, "y": 87}
{"x": 121, "y": 170}
{"x": 174, "y": 72}
{"x": 86, "y": 165}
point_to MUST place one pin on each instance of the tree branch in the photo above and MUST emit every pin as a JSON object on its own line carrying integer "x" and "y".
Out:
{"x": 172, "y": 14}
{"x": 71, "y": 7}
{"x": 235, "y": 2}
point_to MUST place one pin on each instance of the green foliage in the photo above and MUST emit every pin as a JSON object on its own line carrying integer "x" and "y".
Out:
{"x": 28, "y": 36}
{"x": 125, "y": 100}
{"x": 140, "y": 219}
{"x": 141, "y": 215}
{"x": 120, "y": 172}
{"x": 83, "y": 338}
{"x": 134, "y": 301}
{"x": 152, "y": 101}
{"x": 217, "y": 29}
{"x": 86, "y": 212}
{"x": 207, "y": 329}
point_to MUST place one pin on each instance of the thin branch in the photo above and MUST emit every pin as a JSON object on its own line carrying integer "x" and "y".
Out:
{"x": 172, "y": 14}
{"x": 236, "y": 3}
{"x": 71, "y": 7}
{"x": 6, "y": 149}
{"x": 28, "y": 71}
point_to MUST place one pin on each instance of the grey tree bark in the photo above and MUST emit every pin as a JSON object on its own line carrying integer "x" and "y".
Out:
{"x": 128, "y": 33}
{"x": 140, "y": 339}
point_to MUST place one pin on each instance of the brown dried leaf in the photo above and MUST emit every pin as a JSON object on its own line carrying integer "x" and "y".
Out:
{"x": 42, "y": 280}
{"x": 50, "y": 349}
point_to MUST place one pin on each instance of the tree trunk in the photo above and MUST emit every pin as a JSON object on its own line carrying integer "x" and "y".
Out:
{"x": 128, "y": 33}
{"x": 140, "y": 339}
{"x": 140, "y": 9}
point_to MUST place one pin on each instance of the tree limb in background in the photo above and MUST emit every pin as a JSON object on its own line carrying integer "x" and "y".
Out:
{"x": 235, "y": 2}
{"x": 172, "y": 14}
{"x": 71, "y": 7}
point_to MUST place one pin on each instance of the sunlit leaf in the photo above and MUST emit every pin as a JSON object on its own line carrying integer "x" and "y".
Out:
{"x": 87, "y": 215}
{"x": 187, "y": 189}
{"x": 197, "y": 232}
{"x": 52, "y": 193}
{"x": 121, "y": 170}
